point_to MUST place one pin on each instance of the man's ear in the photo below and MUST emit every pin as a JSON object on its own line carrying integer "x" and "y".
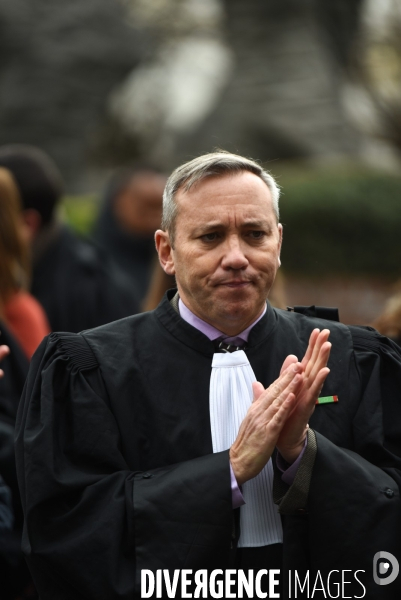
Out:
{"x": 280, "y": 231}
{"x": 165, "y": 251}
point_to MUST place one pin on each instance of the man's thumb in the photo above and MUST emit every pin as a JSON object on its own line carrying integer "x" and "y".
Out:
{"x": 258, "y": 390}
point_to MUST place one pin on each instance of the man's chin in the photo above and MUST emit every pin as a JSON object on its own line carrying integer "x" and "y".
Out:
{"x": 236, "y": 293}
{"x": 236, "y": 306}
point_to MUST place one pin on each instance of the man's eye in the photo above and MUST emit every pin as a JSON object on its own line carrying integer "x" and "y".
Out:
{"x": 209, "y": 237}
{"x": 256, "y": 235}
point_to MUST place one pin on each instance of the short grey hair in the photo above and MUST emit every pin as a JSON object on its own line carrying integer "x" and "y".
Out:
{"x": 209, "y": 165}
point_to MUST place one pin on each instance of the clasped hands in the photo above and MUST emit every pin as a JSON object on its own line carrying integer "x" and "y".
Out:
{"x": 279, "y": 415}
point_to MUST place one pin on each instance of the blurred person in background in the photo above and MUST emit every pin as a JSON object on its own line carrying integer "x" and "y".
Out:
{"x": 6, "y": 513}
{"x": 159, "y": 283}
{"x": 20, "y": 311}
{"x": 75, "y": 282}
{"x": 23, "y": 324}
{"x": 10, "y": 554}
{"x": 389, "y": 322}
{"x": 15, "y": 363}
{"x": 130, "y": 215}
{"x": 15, "y": 579}
{"x": 6, "y": 526}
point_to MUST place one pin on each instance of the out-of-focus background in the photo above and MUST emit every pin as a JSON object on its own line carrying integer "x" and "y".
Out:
{"x": 311, "y": 89}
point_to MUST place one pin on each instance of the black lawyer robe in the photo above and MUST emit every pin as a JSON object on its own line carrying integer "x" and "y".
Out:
{"x": 115, "y": 458}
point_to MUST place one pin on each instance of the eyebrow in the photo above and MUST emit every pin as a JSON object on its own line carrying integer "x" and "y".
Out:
{"x": 256, "y": 224}
{"x": 213, "y": 225}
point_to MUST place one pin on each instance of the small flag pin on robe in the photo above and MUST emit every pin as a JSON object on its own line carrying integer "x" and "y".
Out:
{"x": 327, "y": 399}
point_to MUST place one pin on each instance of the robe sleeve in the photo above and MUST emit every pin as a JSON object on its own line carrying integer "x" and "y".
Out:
{"x": 344, "y": 506}
{"x": 91, "y": 523}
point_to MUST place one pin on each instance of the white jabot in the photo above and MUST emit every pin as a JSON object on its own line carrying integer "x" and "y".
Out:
{"x": 230, "y": 397}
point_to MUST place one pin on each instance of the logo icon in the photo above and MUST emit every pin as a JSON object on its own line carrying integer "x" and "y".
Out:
{"x": 385, "y": 568}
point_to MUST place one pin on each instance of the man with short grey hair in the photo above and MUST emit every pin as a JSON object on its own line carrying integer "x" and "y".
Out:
{"x": 151, "y": 449}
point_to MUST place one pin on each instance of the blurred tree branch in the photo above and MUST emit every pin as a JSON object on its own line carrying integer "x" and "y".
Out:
{"x": 376, "y": 68}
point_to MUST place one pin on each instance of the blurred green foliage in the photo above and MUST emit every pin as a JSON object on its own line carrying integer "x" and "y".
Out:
{"x": 341, "y": 222}
{"x": 80, "y": 212}
{"x": 335, "y": 221}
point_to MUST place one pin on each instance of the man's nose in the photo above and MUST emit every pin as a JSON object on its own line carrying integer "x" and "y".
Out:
{"x": 234, "y": 257}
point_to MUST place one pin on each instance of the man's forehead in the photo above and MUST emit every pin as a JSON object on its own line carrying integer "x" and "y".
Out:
{"x": 198, "y": 218}
{"x": 244, "y": 214}
{"x": 237, "y": 188}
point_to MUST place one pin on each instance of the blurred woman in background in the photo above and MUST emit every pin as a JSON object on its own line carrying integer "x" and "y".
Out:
{"x": 23, "y": 324}
{"x": 22, "y": 314}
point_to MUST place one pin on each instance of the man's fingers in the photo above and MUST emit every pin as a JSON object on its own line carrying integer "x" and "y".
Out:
{"x": 290, "y": 360}
{"x": 258, "y": 435}
{"x": 292, "y": 388}
{"x": 308, "y": 354}
{"x": 278, "y": 420}
{"x": 4, "y": 350}
{"x": 277, "y": 387}
{"x": 321, "y": 360}
{"x": 318, "y": 383}
{"x": 320, "y": 338}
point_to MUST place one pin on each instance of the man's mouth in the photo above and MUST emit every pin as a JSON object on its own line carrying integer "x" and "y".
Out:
{"x": 236, "y": 283}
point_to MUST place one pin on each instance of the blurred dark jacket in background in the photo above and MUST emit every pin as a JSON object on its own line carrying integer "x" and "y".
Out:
{"x": 79, "y": 287}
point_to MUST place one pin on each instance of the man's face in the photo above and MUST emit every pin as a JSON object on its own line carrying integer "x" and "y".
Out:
{"x": 138, "y": 207}
{"x": 226, "y": 249}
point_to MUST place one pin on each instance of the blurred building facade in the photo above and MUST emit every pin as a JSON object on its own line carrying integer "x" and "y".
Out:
{"x": 102, "y": 83}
